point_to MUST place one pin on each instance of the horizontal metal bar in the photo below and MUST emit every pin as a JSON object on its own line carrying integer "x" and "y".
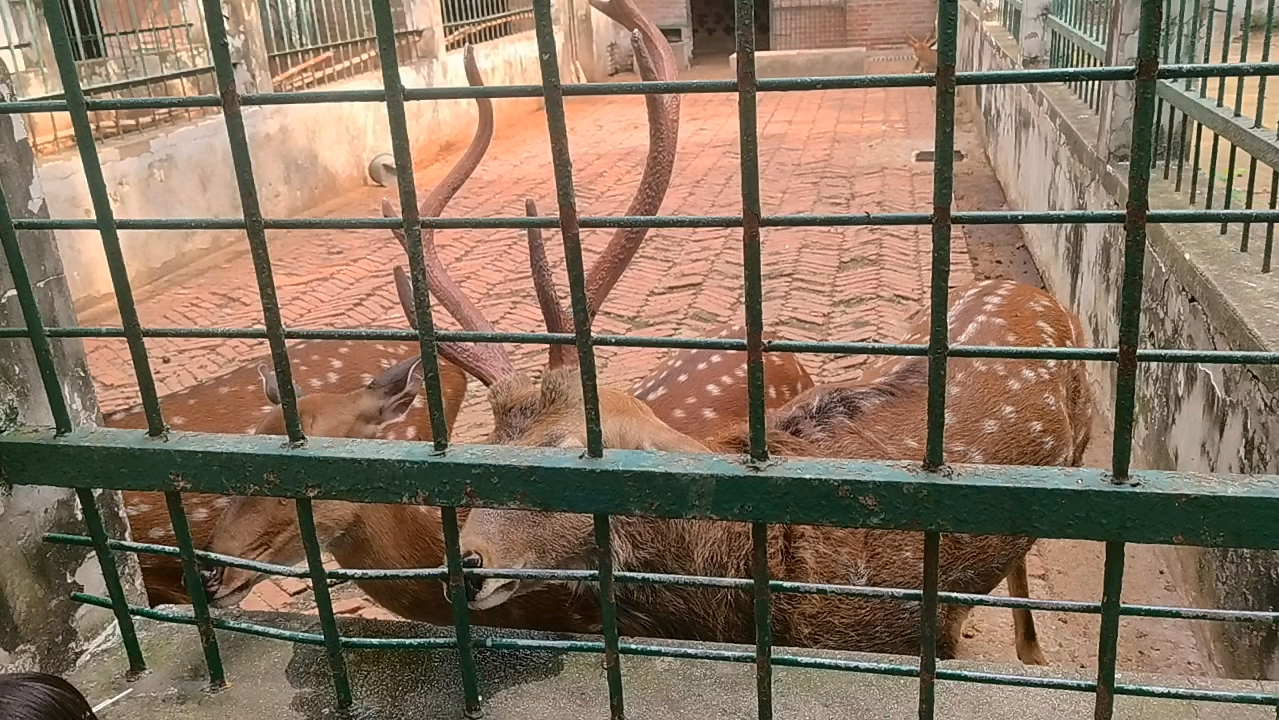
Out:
{"x": 685, "y": 653}
{"x": 1239, "y": 131}
{"x": 120, "y": 85}
{"x": 980, "y": 217}
{"x": 1076, "y": 38}
{"x": 1148, "y": 355}
{"x": 697, "y": 581}
{"x": 851, "y": 82}
{"x": 1077, "y": 503}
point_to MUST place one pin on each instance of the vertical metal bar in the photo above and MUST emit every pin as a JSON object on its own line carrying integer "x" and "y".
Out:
{"x": 461, "y": 614}
{"x": 1270, "y": 227}
{"x": 195, "y": 589}
{"x": 40, "y": 58}
{"x": 1259, "y": 122}
{"x": 1108, "y": 644}
{"x": 1135, "y": 225}
{"x": 563, "y": 164}
{"x": 747, "y": 122}
{"x": 111, "y": 578}
{"x": 393, "y": 86}
{"x": 608, "y": 612}
{"x": 104, "y": 214}
{"x": 928, "y": 627}
{"x": 31, "y": 318}
{"x": 763, "y": 621}
{"x": 1172, "y": 121}
{"x": 243, "y": 164}
{"x": 943, "y": 188}
{"x": 324, "y": 604}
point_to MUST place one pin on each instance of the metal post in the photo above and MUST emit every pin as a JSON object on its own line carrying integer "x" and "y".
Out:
{"x": 1034, "y": 33}
{"x": 1117, "y": 97}
{"x": 246, "y": 40}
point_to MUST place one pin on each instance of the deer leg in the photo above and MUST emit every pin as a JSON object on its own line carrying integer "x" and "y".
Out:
{"x": 1025, "y": 638}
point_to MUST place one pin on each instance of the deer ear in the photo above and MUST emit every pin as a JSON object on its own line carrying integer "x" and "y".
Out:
{"x": 269, "y": 386}
{"x": 397, "y": 388}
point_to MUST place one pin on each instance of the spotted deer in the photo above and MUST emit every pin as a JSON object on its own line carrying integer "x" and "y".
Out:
{"x": 925, "y": 52}
{"x": 349, "y": 393}
{"x": 346, "y": 385}
{"x": 1025, "y": 412}
{"x": 370, "y": 536}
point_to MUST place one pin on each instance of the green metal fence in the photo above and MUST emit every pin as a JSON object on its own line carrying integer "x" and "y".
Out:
{"x": 314, "y": 42}
{"x": 122, "y": 49}
{"x": 1078, "y": 35}
{"x": 477, "y": 21}
{"x": 1117, "y": 506}
{"x": 1220, "y": 141}
{"x": 1010, "y": 16}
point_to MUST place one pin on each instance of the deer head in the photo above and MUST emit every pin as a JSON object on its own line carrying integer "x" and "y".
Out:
{"x": 266, "y": 529}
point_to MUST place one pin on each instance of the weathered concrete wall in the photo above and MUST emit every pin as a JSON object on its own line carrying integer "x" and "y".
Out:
{"x": 1200, "y": 293}
{"x": 40, "y": 626}
{"x": 302, "y": 156}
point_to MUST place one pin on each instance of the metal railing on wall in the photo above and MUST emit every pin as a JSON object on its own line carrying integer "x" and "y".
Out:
{"x": 1078, "y": 33}
{"x": 311, "y": 43}
{"x": 476, "y": 21}
{"x": 1219, "y": 139}
{"x": 122, "y": 49}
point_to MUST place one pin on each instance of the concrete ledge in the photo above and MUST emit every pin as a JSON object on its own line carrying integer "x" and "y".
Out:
{"x": 280, "y": 680}
{"x": 830, "y": 62}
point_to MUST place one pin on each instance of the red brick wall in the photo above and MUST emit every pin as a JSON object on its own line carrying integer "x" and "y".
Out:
{"x": 884, "y": 23}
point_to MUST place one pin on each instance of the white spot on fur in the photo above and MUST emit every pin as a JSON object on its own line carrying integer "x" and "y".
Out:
{"x": 315, "y": 383}
{"x": 410, "y": 432}
{"x": 656, "y": 394}
{"x": 178, "y": 420}
{"x": 157, "y": 533}
{"x": 677, "y": 413}
{"x": 701, "y": 366}
{"x": 335, "y": 363}
{"x": 331, "y": 377}
{"x": 709, "y": 414}
{"x": 137, "y": 509}
{"x": 990, "y": 427}
{"x": 772, "y": 392}
{"x": 712, "y": 389}
{"x": 1008, "y": 411}
{"x": 716, "y": 358}
{"x": 690, "y": 400}
{"x": 682, "y": 378}
{"x": 344, "y": 350}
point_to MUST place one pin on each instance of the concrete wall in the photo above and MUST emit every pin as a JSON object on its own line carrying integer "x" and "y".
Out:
{"x": 302, "y": 156}
{"x": 1200, "y": 293}
{"x": 41, "y": 627}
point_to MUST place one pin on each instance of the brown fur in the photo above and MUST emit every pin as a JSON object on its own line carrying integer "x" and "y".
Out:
{"x": 222, "y": 404}
{"x": 999, "y": 412}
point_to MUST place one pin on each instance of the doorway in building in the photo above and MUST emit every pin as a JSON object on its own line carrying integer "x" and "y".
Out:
{"x": 713, "y": 26}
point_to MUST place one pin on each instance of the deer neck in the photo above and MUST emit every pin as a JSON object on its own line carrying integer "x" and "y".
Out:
{"x": 397, "y": 536}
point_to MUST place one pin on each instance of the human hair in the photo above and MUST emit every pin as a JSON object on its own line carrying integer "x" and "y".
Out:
{"x": 41, "y": 696}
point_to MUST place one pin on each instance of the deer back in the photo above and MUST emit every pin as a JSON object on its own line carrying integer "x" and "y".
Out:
{"x": 702, "y": 392}
{"x": 234, "y": 403}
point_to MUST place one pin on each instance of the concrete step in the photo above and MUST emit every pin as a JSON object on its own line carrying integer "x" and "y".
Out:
{"x": 275, "y": 680}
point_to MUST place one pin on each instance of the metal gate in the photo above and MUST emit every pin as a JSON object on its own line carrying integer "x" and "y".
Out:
{"x": 808, "y": 24}
{"x": 1116, "y": 506}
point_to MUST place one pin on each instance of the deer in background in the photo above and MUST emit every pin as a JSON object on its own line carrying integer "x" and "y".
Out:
{"x": 1026, "y": 412}
{"x": 925, "y": 52}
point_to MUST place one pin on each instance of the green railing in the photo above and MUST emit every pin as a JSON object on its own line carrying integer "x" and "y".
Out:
{"x": 1078, "y": 33}
{"x": 1118, "y": 506}
{"x": 121, "y": 49}
{"x": 477, "y": 21}
{"x": 1010, "y": 16}
{"x": 1219, "y": 139}
{"x": 314, "y": 42}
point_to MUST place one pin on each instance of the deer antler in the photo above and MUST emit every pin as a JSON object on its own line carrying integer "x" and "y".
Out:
{"x": 656, "y": 61}
{"x": 544, "y": 285}
{"x": 488, "y": 362}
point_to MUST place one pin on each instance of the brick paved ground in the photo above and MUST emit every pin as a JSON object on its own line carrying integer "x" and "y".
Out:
{"x": 842, "y": 151}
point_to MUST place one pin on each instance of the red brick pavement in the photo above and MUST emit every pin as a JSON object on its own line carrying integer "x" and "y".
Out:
{"x": 838, "y": 151}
